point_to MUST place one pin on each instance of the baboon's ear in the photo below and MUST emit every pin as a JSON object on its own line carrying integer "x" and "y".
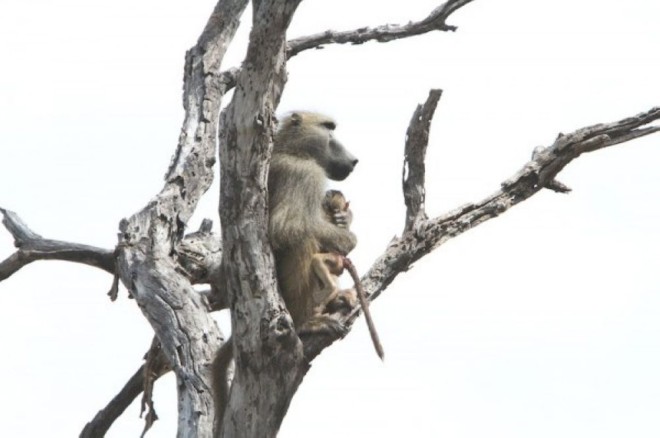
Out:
{"x": 296, "y": 119}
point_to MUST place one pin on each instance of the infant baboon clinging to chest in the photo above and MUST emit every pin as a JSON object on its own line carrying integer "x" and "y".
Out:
{"x": 327, "y": 266}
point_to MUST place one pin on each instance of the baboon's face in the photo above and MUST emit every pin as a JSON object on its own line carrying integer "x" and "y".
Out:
{"x": 311, "y": 135}
{"x": 337, "y": 162}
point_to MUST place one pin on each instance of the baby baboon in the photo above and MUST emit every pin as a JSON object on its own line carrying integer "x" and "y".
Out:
{"x": 336, "y": 209}
{"x": 305, "y": 155}
{"x": 327, "y": 266}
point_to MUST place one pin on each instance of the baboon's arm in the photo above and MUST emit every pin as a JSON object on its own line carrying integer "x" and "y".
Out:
{"x": 297, "y": 189}
{"x": 335, "y": 239}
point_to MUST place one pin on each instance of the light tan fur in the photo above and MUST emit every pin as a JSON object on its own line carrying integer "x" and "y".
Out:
{"x": 327, "y": 266}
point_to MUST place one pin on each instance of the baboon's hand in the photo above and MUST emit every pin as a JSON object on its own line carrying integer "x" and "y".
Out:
{"x": 323, "y": 324}
{"x": 343, "y": 303}
{"x": 341, "y": 218}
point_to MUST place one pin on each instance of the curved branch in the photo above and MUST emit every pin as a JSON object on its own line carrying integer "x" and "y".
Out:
{"x": 32, "y": 247}
{"x": 537, "y": 174}
{"x": 436, "y": 20}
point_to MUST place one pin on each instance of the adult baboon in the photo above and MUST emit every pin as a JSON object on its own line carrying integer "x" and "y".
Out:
{"x": 305, "y": 155}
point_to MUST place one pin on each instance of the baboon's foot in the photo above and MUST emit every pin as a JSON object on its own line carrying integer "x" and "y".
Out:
{"x": 323, "y": 324}
{"x": 342, "y": 303}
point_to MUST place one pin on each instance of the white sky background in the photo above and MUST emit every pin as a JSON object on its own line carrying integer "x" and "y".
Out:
{"x": 541, "y": 323}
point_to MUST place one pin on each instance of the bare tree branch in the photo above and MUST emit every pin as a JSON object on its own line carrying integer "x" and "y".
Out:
{"x": 155, "y": 367}
{"x": 432, "y": 233}
{"x": 537, "y": 174}
{"x": 31, "y": 247}
{"x": 198, "y": 254}
{"x": 102, "y": 421}
{"x": 436, "y": 20}
{"x": 417, "y": 138}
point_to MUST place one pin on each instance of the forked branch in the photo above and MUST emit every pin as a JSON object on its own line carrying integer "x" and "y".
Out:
{"x": 31, "y": 247}
{"x": 534, "y": 176}
{"x": 539, "y": 173}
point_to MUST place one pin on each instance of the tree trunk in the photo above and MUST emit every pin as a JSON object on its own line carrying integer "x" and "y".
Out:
{"x": 268, "y": 353}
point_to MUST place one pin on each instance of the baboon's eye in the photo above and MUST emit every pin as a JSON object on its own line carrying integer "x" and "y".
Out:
{"x": 329, "y": 125}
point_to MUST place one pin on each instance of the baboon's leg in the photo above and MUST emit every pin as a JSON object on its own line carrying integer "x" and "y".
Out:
{"x": 328, "y": 299}
{"x": 325, "y": 266}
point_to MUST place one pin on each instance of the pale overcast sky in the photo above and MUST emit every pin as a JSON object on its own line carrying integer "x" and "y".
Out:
{"x": 541, "y": 323}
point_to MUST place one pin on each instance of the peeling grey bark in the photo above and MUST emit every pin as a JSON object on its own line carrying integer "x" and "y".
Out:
{"x": 414, "y": 155}
{"x": 188, "y": 335}
{"x": 267, "y": 351}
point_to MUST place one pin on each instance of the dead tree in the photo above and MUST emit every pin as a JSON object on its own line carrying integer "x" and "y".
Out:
{"x": 158, "y": 263}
